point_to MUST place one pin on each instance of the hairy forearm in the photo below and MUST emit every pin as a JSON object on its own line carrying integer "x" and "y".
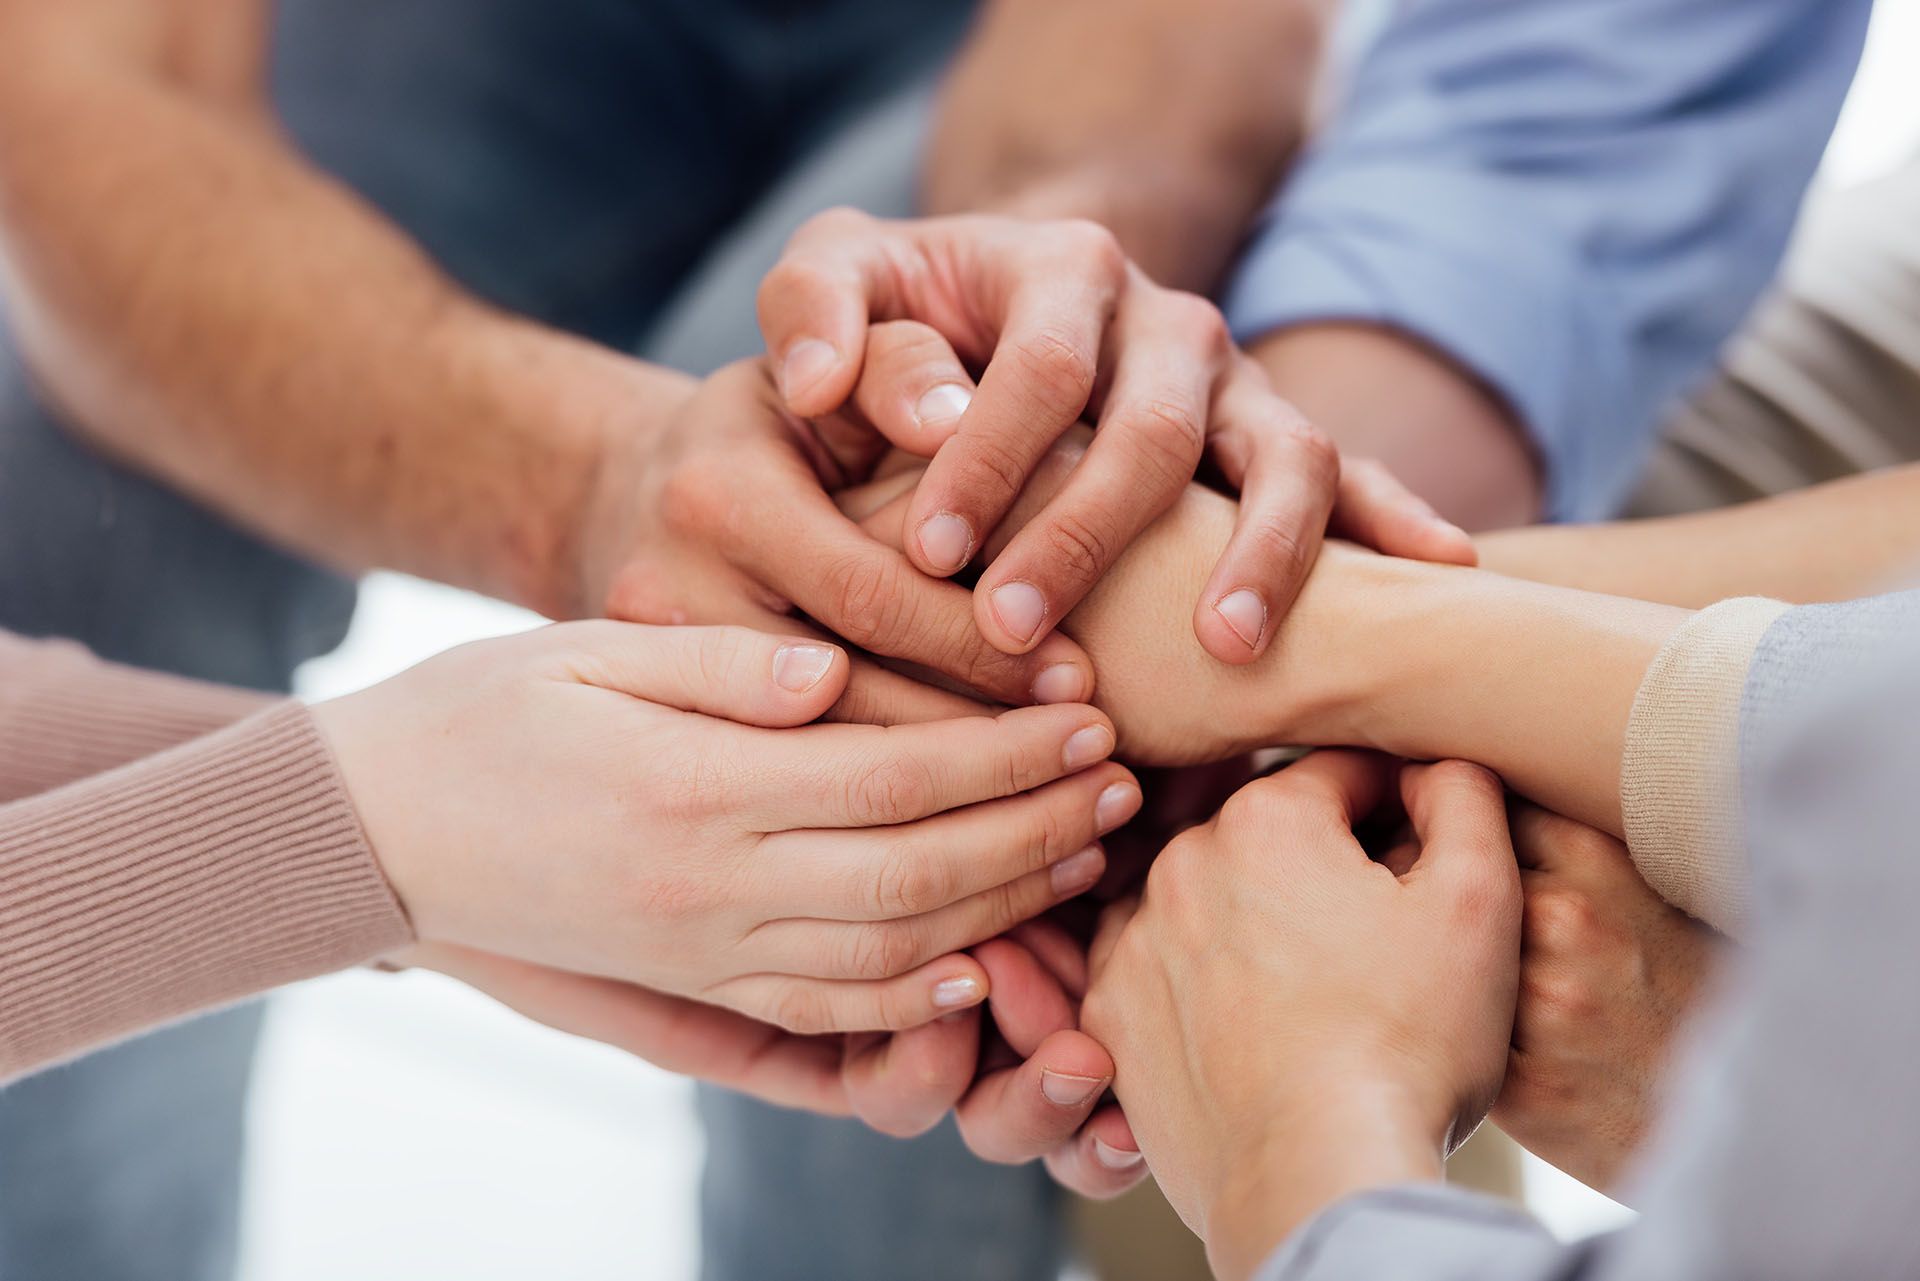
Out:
{"x": 202, "y": 303}
{"x": 1380, "y": 394}
{"x": 1169, "y": 126}
{"x": 1838, "y": 541}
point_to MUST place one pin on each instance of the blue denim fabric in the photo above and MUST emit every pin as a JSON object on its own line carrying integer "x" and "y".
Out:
{"x": 574, "y": 160}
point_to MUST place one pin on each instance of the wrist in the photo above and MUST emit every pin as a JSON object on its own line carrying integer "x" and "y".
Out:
{"x": 1176, "y": 217}
{"x": 1331, "y": 1141}
{"x": 1359, "y": 637}
{"x": 603, "y": 520}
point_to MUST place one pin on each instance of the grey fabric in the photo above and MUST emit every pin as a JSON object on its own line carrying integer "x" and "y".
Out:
{"x": 1787, "y": 1149}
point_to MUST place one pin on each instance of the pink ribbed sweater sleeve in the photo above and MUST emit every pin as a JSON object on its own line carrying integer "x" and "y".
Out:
{"x": 180, "y": 846}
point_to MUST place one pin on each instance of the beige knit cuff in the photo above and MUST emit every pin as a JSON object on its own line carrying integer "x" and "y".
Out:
{"x": 1680, "y": 776}
{"x": 66, "y": 715}
{"x": 206, "y": 874}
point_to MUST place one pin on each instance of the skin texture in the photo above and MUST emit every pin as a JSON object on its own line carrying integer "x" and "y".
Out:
{"x": 1292, "y": 1022}
{"x": 1609, "y": 973}
{"x": 1065, "y": 328}
{"x": 815, "y": 877}
{"x": 260, "y": 338}
{"x": 1839, "y": 541}
{"x": 1423, "y": 661}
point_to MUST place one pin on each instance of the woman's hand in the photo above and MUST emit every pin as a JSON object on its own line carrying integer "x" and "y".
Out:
{"x": 1293, "y": 1022}
{"x": 1608, "y": 973}
{"x": 649, "y": 804}
{"x": 1173, "y": 704}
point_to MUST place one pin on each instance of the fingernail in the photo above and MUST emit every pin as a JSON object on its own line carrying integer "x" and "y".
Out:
{"x": 1115, "y": 1158}
{"x": 1070, "y": 1091}
{"x": 799, "y": 668}
{"x": 1246, "y": 613}
{"x": 946, "y": 541}
{"x": 1059, "y": 683}
{"x": 956, "y": 994}
{"x": 1120, "y": 802}
{"x": 1020, "y": 608}
{"x": 942, "y": 404}
{"x": 1078, "y": 872}
{"x": 1087, "y": 746}
{"x": 807, "y": 362}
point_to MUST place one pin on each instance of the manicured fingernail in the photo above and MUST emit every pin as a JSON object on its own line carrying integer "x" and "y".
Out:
{"x": 1120, "y": 802}
{"x": 1115, "y": 1158}
{"x": 1087, "y": 746}
{"x": 1070, "y": 1091}
{"x": 807, "y": 362}
{"x": 1079, "y": 872}
{"x": 957, "y": 994}
{"x": 942, "y": 405}
{"x": 1059, "y": 683}
{"x": 1246, "y": 613}
{"x": 946, "y": 541}
{"x": 1020, "y": 608}
{"x": 800, "y": 667}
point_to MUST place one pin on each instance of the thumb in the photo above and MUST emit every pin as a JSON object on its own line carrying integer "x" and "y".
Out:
{"x": 1459, "y": 815}
{"x": 731, "y": 672}
{"x": 814, "y": 307}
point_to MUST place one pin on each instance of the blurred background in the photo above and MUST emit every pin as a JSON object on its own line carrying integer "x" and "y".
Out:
{"x": 403, "y": 1126}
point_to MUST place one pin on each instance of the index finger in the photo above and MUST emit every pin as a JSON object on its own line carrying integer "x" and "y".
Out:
{"x": 870, "y": 595}
{"x": 1037, "y": 383}
{"x": 815, "y": 304}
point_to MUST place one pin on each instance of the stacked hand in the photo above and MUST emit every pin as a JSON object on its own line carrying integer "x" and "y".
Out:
{"x": 1293, "y": 1021}
{"x": 1609, "y": 972}
{"x": 651, "y": 805}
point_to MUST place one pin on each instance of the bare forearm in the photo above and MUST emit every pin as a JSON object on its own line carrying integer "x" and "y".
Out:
{"x": 202, "y": 303}
{"x": 1170, "y": 127}
{"x": 1839, "y": 541}
{"x": 1380, "y": 394}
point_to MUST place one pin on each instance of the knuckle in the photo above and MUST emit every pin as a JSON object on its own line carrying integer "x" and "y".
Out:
{"x": 871, "y": 603}
{"x": 834, "y": 223}
{"x": 1058, "y": 370}
{"x": 911, "y": 882}
{"x": 1078, "y": 547}
{"x": 1200, "y": 320}
{"x": 1276, "y": 542}
{"x": 994, "y": 460}
{"x": 1095, "y": 245}
{"x": 1557, "y": 997}
{"x": 1560, "y": 919}
{"x": 698, "y": 497}
{"x": 881, "y": 950}
{"x": 1312, "y": 453}
{"x": 719, "y": 654}
{"x": 800, "y": 1009}
{"x": 894, "y": 790}
{"x": 1170, "y": 437}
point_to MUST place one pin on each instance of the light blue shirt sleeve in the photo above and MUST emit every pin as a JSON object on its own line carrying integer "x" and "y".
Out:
{"x": 1577, "y": 200}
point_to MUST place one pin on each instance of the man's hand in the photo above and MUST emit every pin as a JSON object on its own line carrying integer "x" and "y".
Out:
{"x": 1169, "y": 127}
{"x": 1608, "y": 974}
{"x": 723, "y": 517}
{"x": 1293, "y": 1022}
{"x": 1039, "y": 1095}
{"x": 650, "y": 804}
{"x": 1063, "y": 327}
